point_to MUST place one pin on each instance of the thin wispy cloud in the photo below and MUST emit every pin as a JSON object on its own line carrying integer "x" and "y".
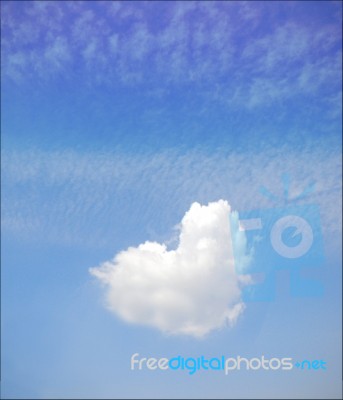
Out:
{"x": 67, "y": 195}
{"x": 117, "y": 43}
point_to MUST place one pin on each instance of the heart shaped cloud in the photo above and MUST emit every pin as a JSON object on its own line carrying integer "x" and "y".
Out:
{"x": 191, "y": 290}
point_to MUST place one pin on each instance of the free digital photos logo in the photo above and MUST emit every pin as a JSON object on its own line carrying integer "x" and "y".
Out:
{"x": 225, "y": 364}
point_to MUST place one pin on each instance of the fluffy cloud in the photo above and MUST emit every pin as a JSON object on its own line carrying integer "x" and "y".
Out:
{"x": 191, "y": 290}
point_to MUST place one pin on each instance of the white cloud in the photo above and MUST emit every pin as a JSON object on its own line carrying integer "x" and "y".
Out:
{"x": 58, "y": 53}
{"x": 195, "y": 42}
{"x": 191, "y": 290}
{"x": 286, "y": 44}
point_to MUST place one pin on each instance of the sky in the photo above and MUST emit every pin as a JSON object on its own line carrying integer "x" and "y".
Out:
{"x": 135, "y": 136}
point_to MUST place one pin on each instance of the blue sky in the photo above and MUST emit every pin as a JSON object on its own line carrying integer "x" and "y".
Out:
{"x": 116, "y": 117}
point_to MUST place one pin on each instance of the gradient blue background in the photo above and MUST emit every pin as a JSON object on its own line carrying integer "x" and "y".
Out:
{"x": 116, "y": 116}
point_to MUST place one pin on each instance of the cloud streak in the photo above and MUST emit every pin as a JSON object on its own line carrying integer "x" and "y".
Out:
{"x": 93, "y": 199}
